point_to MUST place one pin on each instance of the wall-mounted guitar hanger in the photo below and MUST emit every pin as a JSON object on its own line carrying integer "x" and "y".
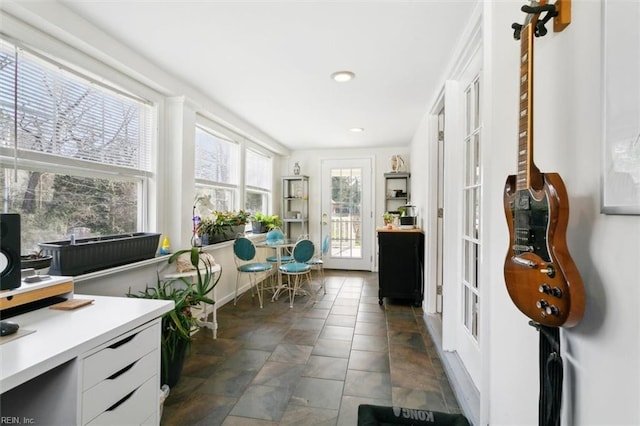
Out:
{"x": 563, "y": 19}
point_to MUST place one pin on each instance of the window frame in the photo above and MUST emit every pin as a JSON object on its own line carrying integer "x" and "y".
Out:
{"x": 15, "y": 158}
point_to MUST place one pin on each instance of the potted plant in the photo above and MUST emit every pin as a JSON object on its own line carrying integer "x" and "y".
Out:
{"x": 178, "y": 324}
{"x": 388, "y": 220}
{"x": 222, "y": 226}
{"x": 261, "y": 223}
{"x": 36, "y": 260}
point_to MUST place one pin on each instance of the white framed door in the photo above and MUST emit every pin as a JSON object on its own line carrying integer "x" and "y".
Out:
{"x": 462, "y": 225}
{"x": 469, "y": 283}
{"x": 347, "y": 213}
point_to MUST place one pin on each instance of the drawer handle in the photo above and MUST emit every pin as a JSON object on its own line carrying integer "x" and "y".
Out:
{"x": 122, "y": 401}
{"x": 123, "y": 341}
{"x": 122, "y": 371}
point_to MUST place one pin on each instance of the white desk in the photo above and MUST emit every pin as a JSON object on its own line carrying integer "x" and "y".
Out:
{"x": 42, "y": 373}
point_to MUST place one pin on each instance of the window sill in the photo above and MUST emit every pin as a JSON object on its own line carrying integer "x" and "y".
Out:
{"x": 156, "y": 260}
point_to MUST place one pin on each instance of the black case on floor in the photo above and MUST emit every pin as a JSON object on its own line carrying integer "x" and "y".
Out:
{"x": 374, "y": 415}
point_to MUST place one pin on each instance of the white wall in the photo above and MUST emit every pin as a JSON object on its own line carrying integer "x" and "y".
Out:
{"x": 311, "y": 163}
{"x": 601, "y": 354}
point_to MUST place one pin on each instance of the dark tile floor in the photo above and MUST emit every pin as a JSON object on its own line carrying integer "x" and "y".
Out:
{"x": 312, "y": 364}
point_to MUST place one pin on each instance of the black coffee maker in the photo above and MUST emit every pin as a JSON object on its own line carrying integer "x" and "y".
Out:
{"x": 409, "y": 216}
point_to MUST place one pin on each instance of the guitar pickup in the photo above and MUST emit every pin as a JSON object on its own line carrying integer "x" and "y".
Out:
{"x": 521, "y": 248}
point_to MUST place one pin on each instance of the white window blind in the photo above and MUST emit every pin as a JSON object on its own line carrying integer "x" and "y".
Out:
{"x": 258, "y": 171}
{"x": 216, "y": 159}
{"x": 47, "y": 108}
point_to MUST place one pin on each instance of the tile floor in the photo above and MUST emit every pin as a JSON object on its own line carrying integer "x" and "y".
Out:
{"x": 313, "y": 364}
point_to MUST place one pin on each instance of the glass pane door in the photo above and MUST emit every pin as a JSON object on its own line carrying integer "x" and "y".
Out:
{"x": 347, "y": 213}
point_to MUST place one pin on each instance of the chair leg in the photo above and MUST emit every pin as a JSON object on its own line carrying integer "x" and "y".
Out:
{"x": 292, "y": 289}
{"x": 312, "y": 293}
{"x": 235, "y": 298}
{"x": 259, "y": 287}
{"x": 322, "y": 279}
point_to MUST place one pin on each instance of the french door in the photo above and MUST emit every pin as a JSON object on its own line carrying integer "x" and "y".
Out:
{"x": 347, "y": 213}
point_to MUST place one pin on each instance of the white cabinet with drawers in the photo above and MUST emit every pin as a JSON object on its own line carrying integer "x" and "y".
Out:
{"x": 96, "y": 365}
{"x": 120, "y": 377}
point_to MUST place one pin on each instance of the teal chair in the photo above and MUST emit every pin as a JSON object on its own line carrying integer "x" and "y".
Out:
{"x": 245, "y": 257}
{"x": 318, "y": 262}
{"x": 299, "y": 270}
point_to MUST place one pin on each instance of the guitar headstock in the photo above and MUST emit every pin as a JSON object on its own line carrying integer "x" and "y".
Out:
{"x": 538, "y": 14}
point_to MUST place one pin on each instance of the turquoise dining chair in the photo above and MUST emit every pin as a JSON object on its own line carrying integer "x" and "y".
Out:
{"x": 299, "y": 270}
{"x": 245, "y": 257}
{"x": 318, "y": 262}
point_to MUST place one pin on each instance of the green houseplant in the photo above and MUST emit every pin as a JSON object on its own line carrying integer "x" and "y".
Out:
{"x": 261, "y": 223}
{"x": 222, "y": 226}
{"x": 179, "y": 323}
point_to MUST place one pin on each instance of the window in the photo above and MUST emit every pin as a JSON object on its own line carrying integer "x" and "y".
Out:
{"x": 258, "y": 182}
{"x": 75, "y": 153}
{"x": 216, "y": 170}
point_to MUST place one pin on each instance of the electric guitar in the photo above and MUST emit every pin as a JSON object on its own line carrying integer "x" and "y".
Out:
{"x": 541, "y": 278}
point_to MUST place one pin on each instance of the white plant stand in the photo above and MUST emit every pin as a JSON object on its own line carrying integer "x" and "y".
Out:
{"x": 203, "y": 310}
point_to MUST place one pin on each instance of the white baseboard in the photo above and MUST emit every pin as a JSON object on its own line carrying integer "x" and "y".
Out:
{"x": 465, "y": 391}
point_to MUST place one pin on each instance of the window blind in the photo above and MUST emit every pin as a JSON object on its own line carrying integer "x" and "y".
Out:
{"x": 47, "y": 109}
{"x": 216, "y": 159}
{"x": 258, "y": 171}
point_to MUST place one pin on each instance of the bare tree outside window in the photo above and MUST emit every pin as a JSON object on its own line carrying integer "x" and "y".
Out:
{"x": 63, "y": 139}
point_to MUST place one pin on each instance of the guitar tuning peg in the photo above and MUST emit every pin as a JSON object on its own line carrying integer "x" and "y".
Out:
{"x": 541, "y": 30}
{"x": 517, "y": 29}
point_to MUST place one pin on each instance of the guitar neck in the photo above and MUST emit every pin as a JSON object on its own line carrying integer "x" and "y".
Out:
{"x": 528, "y": 174}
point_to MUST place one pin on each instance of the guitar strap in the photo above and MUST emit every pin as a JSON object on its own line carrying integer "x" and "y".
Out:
{"x": 550, "y": 376}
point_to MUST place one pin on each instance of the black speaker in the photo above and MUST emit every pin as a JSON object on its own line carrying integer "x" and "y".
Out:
{"x": 9, "y": 251}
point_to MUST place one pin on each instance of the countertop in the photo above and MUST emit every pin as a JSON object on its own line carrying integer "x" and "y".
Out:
{"x": 52, "y": 337}
{"x": 397, "y": 229}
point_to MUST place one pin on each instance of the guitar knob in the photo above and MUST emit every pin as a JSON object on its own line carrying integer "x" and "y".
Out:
{"x": 542, "y": 304}
{"x": 555, "y": 291}
{"x": 551, "y": 310}
{"x": 549, "y": 271}
{"x": 544, "y": 288}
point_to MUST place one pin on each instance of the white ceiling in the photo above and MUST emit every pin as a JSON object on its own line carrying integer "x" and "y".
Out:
{"x": 269, "y": 62}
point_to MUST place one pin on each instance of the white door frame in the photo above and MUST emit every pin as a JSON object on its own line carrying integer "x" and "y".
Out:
{"x": 367, "y": 231}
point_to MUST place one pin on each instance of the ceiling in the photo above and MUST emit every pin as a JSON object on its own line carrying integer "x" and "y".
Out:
{"x": 269, "y": 62}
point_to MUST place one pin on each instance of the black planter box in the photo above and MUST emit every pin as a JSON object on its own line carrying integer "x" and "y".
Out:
{"x": 227, "y": 233}
{"x": 94, "y": 254}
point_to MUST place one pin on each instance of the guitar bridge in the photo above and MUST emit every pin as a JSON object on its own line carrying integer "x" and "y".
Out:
{"x": 523, "y": 262}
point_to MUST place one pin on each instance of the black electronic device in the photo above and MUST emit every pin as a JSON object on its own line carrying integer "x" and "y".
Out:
{"x": 9, "y": 251}
{"x": 8, "y": 327}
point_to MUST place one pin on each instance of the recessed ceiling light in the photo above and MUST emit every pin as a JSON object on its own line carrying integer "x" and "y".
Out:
{"x": 356, "y": 129}
{"x": 342, "y": 76}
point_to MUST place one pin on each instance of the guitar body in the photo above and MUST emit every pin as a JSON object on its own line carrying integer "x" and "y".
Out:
{"x": 541, "y": 277}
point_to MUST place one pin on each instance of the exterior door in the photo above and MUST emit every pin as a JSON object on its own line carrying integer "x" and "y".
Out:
{"x": 347, "y": 214}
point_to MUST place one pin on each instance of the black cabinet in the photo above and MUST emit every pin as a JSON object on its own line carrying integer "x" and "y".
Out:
{"x": 400, "y": 264}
